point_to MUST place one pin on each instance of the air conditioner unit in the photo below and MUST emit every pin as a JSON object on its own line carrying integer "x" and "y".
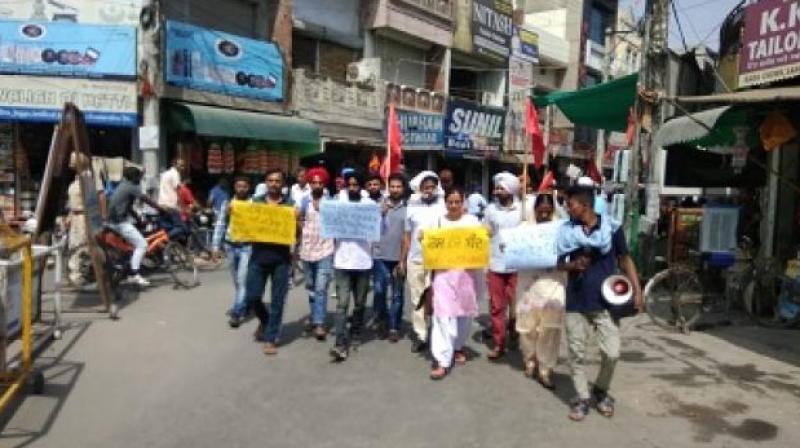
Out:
{"x": 367, "y": 70}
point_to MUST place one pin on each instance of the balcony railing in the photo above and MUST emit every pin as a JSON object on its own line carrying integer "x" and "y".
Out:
{"x": 440, "y": 8}
{"x": 320, "y": 98}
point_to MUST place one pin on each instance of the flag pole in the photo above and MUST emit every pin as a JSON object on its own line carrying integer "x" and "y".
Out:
{"x": 388, "y": 146}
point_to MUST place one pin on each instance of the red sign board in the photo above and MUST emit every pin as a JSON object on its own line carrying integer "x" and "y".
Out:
{"x": 770, "y": 42}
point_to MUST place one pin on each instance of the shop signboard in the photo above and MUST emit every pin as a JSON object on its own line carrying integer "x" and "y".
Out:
{"x": 41, "y": 99}
{"x": 205, "y": 59}
{"x": 421, "y": 131}
{"x": 492, "y": 27}
{"x": 107, "y": 12}
{"x": 67, "y": 49}
{"x": 473, "y": 127}
{"x": 520, "y": 83}
{"x": 770, "y": 42}
{"x": 525, "y": 44}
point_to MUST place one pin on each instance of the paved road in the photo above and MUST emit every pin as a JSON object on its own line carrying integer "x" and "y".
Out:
{"x": 171, "y": 373}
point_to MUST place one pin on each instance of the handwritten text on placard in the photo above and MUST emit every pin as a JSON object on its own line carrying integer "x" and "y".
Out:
{"x": 455, "y": 248}
{"x": 530, "y": 246}
{"x": 263, "y": 223}
{"x": 351, "y": 220}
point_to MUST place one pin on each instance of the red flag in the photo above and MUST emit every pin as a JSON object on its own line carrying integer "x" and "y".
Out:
{"x": 394, "y": 151}
{"x": 630, "y": 132}
{"x": 547, "y": 182}
{"x": 532, "y": 128}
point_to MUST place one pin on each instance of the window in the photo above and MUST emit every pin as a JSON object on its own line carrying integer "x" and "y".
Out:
{"x": 304, "y": 53}
{"x": 598, "y": 20}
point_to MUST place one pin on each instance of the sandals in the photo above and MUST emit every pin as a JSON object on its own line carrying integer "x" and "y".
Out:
{"x": 530, "y": 369}
{"x": 460, "y": 357}
{"x": 604, "y": 403}
{"x": 543, "y": 377}
{"x": 579, "y": 409}
{"x": 439, "y": 372}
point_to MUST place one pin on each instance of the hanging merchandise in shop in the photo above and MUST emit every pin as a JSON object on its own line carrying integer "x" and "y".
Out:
{"x": 492, "y": 27}
{"x": 214, "y": 61}
{"x": 108, "y": 12}
{"x": 67, "y": 49}
{"x": 421, "y": 131}
{"x": 473, "y": 127}
{"x": 770, "y": 42}
{"x": 41, "y": 99}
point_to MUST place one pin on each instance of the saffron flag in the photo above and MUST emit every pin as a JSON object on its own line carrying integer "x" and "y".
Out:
{"x": 532, "y": 128}
{"x": 394, "y": 153}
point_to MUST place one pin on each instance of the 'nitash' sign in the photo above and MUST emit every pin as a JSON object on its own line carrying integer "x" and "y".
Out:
{"x": 492, "y": 27}
{"x": 470, "y": 126}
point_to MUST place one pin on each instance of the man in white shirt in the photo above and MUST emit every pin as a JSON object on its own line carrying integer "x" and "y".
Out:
{"x": 352, "y": 264}
{"x": 168, "y": 185}
{"x": 301, "y": 189}
{"x": 424, "y": 212}
{"x": 504, "y": 213}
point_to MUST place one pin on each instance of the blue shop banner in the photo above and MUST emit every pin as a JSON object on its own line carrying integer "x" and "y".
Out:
{"x": 473, "y": 127}
{"x": 205, "y": 59}
{"x": 67, "y": 49}
{"x": 421, "y": 131}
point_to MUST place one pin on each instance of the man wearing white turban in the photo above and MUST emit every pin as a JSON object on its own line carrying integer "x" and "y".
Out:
{"x": 505, "y": 212}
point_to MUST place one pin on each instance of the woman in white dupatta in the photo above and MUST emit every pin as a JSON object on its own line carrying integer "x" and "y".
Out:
{"x": 540, "y": 309}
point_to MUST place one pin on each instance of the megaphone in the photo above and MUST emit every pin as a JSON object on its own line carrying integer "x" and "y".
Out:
{"x": 617, "y": 291}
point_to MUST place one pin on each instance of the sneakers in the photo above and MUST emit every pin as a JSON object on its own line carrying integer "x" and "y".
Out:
{"x": 320, "y": 333}
{"x": 339, "y": 353}
{"x": 138, "y": 280}
{"x": 234, "y": 321}
{"x": 394, "y": 336}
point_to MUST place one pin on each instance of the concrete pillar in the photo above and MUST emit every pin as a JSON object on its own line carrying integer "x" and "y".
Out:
{"x": 281, "y": 35}
{"x": 151, "y": 68}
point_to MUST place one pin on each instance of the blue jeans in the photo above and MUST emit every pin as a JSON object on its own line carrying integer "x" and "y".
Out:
{"x": 318, "y": 278}
{"x": 383, "y": 278}
{"x": 238, "y": 260}
{"x": 257, "y": 275}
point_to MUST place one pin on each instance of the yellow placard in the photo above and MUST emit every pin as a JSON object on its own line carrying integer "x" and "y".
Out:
{"x": 455, "y": 248}
{"x": 253, "y": 222}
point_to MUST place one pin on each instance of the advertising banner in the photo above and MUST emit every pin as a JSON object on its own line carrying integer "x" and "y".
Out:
{"x": 101, "y": 12}
{"x": 421, "y": 131}
{"x": 770, "y": 42}
{"x": 520, "y": 84}
{"x": 67, "y": 49}
{"x": 492, "y": 27}
{"x": 41, "y": 99}
{"x": 205, "y": 59}
{"x": 473, "y": 127}
{"x": 525, "y": 45}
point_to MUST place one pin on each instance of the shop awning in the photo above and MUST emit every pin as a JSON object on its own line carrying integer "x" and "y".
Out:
{"x": 287, "y": 132}
{"x": 776, "y": 94}
{"x": 707, "y": 129}
{"x": 604, "y": 106}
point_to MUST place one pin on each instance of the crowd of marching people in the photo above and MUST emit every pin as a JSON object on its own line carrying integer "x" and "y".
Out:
{"x": 529, "y": 309}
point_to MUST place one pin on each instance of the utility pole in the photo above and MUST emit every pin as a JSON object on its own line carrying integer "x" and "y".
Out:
{"x": 650, "y": 116}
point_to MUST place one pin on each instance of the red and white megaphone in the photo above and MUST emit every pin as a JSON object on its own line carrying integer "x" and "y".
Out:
{"x": 617, "y": 291}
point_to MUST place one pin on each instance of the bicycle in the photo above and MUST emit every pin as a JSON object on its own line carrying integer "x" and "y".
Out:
{"x": 676, "y": 297}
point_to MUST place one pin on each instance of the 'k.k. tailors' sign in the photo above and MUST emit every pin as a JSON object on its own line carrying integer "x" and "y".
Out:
{"x": 770, "y": 42}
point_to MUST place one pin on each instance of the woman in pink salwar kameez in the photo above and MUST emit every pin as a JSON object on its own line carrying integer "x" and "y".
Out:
{"x": 454, "y": 297}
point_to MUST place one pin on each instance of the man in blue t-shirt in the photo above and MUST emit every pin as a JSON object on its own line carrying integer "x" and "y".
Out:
{"x": 588, "y": 266}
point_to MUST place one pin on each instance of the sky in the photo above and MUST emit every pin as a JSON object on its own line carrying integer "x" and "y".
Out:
{"x": 700, "y": 20}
